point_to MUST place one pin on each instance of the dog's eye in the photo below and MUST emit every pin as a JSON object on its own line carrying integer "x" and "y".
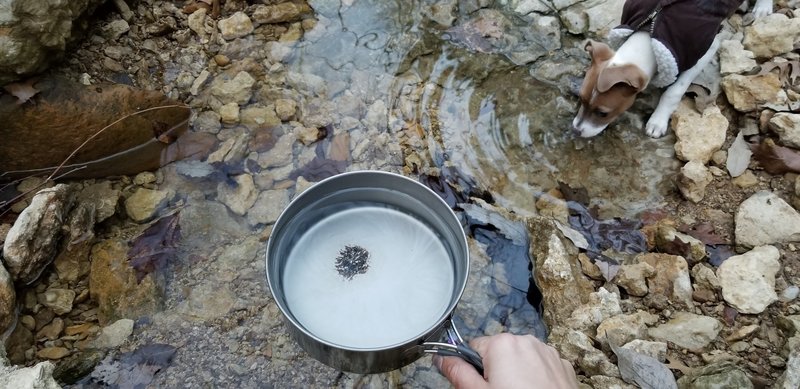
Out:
{"x": 600, "y": 113}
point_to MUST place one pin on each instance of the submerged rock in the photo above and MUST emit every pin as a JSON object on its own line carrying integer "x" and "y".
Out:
{"x": 756, "y": 221}
{"x": 114, "y": 335}
{"x": 748, "y": 280}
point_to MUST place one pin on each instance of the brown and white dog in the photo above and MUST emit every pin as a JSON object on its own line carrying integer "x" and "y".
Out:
{"x": 667, "y": 43}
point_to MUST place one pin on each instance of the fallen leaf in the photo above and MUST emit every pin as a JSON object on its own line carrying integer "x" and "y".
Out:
{"x": 738, "y": 156}
{"x": 788, "y": 71}
{"x": 702, "y": 97}
{"x": 703, "y": 232}
{"x": 135, "y": 369}
{"x": 151, "y": 250}
{"x": 718, "y": 254}
{"x": 23, "y": 91}
{"x": 607, "y": 265}
{"x": 678, "y": 247}
{"x": 578, "y": 195}
{"x": 643, "y": 370}
{"x": 619, "y": 234}
{"x": 776, "y": 159}
{"x": 678, "y": 365}
{"x": 729, "y": 315}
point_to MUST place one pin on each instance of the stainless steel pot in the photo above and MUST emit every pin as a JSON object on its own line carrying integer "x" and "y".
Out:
{"x": 367, "y": 268}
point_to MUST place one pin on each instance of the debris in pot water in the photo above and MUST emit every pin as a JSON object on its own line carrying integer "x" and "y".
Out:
{"x": 352, "y": 260}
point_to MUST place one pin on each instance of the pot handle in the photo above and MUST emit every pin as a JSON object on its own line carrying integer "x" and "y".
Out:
{"x": 454, "y": 346}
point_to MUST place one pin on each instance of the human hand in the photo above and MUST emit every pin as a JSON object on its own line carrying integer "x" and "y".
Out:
{"x": 510, "y": 361}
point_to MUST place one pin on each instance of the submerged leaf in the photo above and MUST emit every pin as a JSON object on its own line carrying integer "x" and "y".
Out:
{"x": 776, "y": 159}
{"x": 134, "y": 369}
{"x": 643, "y": 370}
{"x": 578, "y": 195}
{"x": 23, "y": 91}
{"x": 152, "y": 250}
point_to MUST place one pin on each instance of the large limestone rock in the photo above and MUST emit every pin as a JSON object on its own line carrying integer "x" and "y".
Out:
{"x": 32, "y": 242}
{"x": 699, "y": 134}
{"x": 37, "y": 32}
{"x": 734, "y": 59}
{"x": 718, "y": 375}
{"x": 748, "y": 93}
{"x": 556, "y": 271}
{"x": 8, "y": 300}
{"x": 687, "y": 330}
{"x": 756, "y": 221}
{"x": 772, "y": 35}
{"x": 693, "y": 179}
{"x": 748, "y": 280}
{"x": 787, "y": 126}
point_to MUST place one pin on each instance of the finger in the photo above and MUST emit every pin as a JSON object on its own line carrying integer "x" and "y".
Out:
{"x": 460, "y": 373}
{"x": 480, "y": 344}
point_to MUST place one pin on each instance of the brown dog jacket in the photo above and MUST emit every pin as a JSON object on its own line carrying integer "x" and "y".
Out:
{"x": 682, "y": 30}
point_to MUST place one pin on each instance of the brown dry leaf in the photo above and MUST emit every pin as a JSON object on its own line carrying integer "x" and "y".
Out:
{"x": 788, "y": 71}
{"x": 124, "y": 129}
{"x": 703, "y": 97}
{"x": 23, "y": 91}
{"x": 680, "y": 366}
{"x": 776, "y": 159}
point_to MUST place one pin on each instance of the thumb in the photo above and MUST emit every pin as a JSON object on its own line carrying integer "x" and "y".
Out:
{"x": 460, "y": 373}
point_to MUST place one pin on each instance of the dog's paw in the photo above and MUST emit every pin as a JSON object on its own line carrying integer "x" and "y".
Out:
{"x": 656, "y": 127}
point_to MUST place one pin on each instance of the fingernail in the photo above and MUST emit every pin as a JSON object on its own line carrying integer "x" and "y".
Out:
{"x": 437, "y": 361}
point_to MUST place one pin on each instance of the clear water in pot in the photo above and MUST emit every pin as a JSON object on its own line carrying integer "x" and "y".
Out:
{"x": 405, "y": 286}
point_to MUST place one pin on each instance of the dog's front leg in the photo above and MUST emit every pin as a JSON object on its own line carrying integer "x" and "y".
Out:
{"x": 657, "y": 124}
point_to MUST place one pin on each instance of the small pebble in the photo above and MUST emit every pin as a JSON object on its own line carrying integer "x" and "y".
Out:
{"x": 790, "y": 293}
{"x": 222, "y": 60}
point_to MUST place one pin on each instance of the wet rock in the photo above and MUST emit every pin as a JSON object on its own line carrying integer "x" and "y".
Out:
{"x": 257, "y": 118}
{"x": 208, "y": 223}
{"x": 113, "y": 285}
{"x": 657, "y": 350}
{"x": 268, "y": 206}
{"x": 624, "y": 328}
{"x": 285, "y": 109}
{"x": 787, "y": 126}
{"x": 280, "y": 155}
{"x": 37, "y": 32}
{"x": 236, "y": 26}
{"x": 791, "y": 376}
{"x": 33, "y": 239}
{"x": 556, "y": 271}
{"x": 103, "y": 199}
{"x": 578, "y": 348}
{"x": 18, "y": 342}
{"x": 208, "y": 301}
{"x": 634, "y": 278}
{"x": 39, "y": 376}
{"x": 717, "y": 375}
{"x": 699, "y": 134}
{"x": 72, "y": 262}
{"x": 748, "y": 93}
{"x": 755, "y": 221}
{"x": 671, "y": 277}
{"x": 734, "y": 59}
{"x": 77, "y": 366}
{"x": 237, "y": 90}
{"x": 281, "y": 13}
{"x": 207, "y": 121}
{"x": 114, "y": 335}
{"x": 601, "y": 306}
{"x": 229, "y": 113}
{"x": 239, "y": 193}
{"x": 687, "y": 330}
{"x": 52, "y": 330}
{"x": 8, "y": 300}
{"x": 748, "y": 280}
{"x": 443, "y": 12}
{"x": 144, "y": 204}
{"x": 772, "y": 35}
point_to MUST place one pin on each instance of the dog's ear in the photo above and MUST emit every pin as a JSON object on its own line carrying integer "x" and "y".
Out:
{"x": 627, "y": 74}
{"x": 598, "y": 51}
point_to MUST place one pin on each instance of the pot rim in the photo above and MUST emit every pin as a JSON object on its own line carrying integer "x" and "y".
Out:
{"x": 434, "y": 326}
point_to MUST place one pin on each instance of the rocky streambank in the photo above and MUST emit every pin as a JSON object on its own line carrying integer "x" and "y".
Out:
{"x": 97, "y": 273}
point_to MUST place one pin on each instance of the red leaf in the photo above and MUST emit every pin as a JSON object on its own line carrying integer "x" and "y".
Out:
{"x": 704, "y": 232}
{"x": 152, "y": 250}
{"x": 776, "y": 159}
